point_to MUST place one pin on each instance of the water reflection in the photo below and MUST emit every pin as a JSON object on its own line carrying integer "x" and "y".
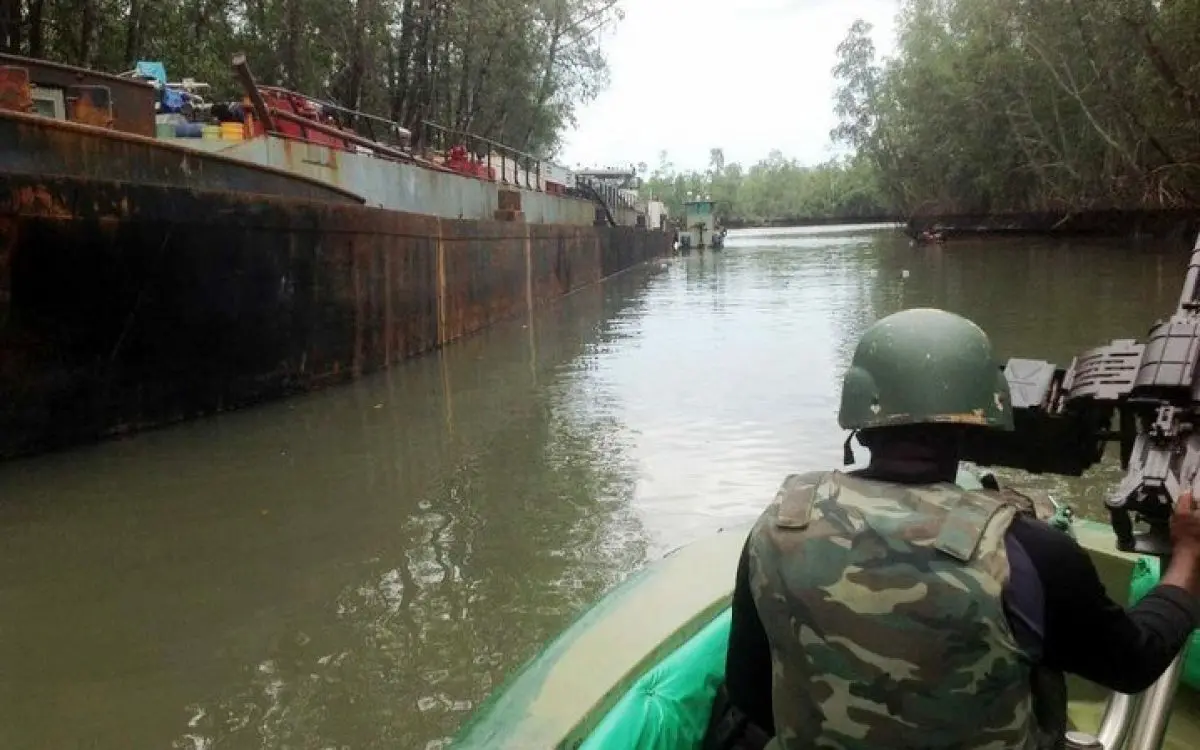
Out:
{"x": 757, "y": 377}
{"x": 352, "y": 569}
{"x": 358, "y": 568}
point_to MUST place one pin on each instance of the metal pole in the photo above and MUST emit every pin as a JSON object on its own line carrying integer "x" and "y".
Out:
{"x": 1114, "y": 724}
{"x": 1150, "y": 722}
{"x": 242, "y": 68}
{"x": 329, "y": 130}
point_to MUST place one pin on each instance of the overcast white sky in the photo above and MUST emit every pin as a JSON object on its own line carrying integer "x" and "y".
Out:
{"x": 747, "y": 76}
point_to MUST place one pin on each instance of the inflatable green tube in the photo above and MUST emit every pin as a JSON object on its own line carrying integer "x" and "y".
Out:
{"x": 668, "y": 707}
{"x": 1145, "y": 577}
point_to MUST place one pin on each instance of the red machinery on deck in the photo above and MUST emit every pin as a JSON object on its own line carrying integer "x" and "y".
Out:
{"x": 303, "y": 108}
{"x": 292, "y": 111}
{"x": 460, "y": 160}
{"x": 293, "y": 115}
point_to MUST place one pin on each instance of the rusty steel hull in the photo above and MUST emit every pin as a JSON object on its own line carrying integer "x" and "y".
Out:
{"x": 33, "y": 145}
{"x": 125, "y": 306}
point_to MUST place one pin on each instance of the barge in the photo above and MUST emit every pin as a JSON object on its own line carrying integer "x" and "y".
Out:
{"x": 147, "y": 278}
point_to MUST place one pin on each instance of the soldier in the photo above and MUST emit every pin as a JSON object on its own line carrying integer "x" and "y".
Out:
{"x": 889, "y": 608}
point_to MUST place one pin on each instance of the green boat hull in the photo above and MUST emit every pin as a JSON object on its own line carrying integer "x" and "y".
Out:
{"x": 639, "y": 670}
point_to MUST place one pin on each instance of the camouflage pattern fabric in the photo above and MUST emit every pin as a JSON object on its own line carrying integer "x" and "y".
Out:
{"x": 1034, "y": 503}
{"x": 882, "y": 604}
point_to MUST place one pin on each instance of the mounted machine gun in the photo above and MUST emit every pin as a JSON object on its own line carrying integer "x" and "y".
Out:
{"x": 1063, "y": 419}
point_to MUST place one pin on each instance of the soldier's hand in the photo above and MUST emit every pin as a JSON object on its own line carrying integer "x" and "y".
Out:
{"x": 1185, "y": 528}
{"x": 1184, "y": 570}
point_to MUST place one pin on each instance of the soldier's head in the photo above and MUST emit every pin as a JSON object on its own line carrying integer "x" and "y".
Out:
{"x": 919, "y": 379}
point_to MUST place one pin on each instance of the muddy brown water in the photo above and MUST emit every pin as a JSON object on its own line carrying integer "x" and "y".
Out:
{"x": 358, "y": 568}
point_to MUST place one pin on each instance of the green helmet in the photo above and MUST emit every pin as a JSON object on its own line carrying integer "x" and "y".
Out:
{"x": 924, "y": 366}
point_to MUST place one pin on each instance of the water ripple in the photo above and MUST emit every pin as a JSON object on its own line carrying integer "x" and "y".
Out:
{"x": 359, "y": 568}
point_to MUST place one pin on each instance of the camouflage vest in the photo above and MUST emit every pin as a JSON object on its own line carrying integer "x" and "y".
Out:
{"x": 882, "y": 604}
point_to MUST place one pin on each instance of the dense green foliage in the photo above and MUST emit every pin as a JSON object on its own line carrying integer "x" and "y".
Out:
{"x": 774, "y": 189}
{"x": 994, "y": 106}
{"x": 511, "y": 70}
{"x": 1027, "y": 105}
{"x": 986, "y": 106}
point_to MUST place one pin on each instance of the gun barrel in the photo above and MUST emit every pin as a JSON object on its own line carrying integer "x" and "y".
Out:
{"x": 1190, "y": 288}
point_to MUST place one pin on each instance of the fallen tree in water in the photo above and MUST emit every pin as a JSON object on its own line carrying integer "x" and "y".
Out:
{"x": 1167, "y": 224}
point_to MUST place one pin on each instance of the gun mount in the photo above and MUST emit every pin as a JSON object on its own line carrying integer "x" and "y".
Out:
{"x": 1064, "y": 418}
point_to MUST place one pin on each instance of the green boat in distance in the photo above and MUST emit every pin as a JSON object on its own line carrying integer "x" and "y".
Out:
{"x": 640, "y": 669}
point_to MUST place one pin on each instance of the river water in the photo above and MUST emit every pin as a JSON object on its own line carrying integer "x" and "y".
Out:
{"x": 357, "y": 568}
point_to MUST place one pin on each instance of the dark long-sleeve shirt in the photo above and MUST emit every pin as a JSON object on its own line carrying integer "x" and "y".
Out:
{"x": 1059, "y": 611}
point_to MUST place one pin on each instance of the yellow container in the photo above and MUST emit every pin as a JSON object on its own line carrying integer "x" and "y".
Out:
{"x": 212, "y": 132}
{"x": 232, "y": 131}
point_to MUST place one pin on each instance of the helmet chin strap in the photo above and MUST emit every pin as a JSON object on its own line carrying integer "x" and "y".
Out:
{"x": 847, "y": 450}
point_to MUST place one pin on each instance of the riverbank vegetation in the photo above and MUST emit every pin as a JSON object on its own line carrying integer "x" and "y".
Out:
{"x": 774, "y": 190}
{"x": 993, "y": 106}
{"x": 510, "y": 70}
{"x": 985, "y": 106}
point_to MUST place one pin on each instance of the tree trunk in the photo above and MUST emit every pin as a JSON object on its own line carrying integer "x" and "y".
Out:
{"x": 87, "y": 35}
{"x": 293, "y": 25}
{"x": 205, "y": 10}
{"x": 358, "y": 66}
{"x": 462, "y": 104}
{"x": 10, "y": 26}
{"x": 420, "y": 92}
{"x": 257, "y": 10}
{"x": 433, "y": 75}
{"x": 36, "y": 38}
{"x": 402, "y": 79}
{"x": 133, "y": 32}
{"x": 1166, "y": 73}
{"x": 442, "y": 97}
{"x": 543, "y": 92}
{"x": 477, "y": 89}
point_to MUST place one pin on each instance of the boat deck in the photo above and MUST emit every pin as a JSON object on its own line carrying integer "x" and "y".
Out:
{"x": 559, "y": 698}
